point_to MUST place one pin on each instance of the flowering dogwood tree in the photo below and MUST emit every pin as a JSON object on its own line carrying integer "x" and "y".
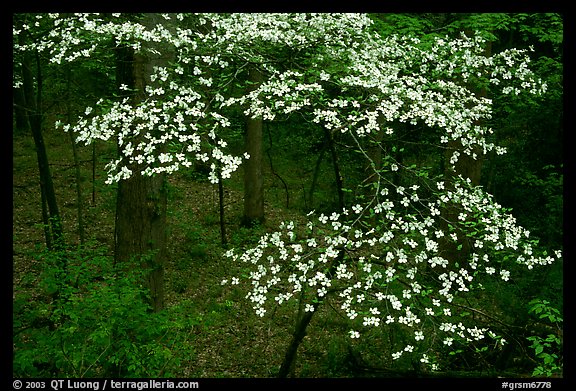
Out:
{"x": 380, "y": 261}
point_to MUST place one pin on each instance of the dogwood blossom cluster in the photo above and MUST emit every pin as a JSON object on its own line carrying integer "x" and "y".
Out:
{"x": 160, "y": 135}
{"x": 72, "y": 36}
{"x": 173, "y": 113}
{"x": 393, "y": 272}
{"x": 402, "y": 81}
{"x": 172, "y": 127}
{"x": 251, "y": 34}
{"x": 284, "y": 89}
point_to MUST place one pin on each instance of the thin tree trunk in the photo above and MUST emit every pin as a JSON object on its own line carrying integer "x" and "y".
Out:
{"x": 34, "y": 109}
{"x": 469, "y": 168}
{"x": 253, "y": 175}
{"x": 297, "y": 337}
{"x": 45, "y": 218}
{"x": 301, "y": 324}
{"x": 374, "y": 152}
{"x": 79, "y": 203}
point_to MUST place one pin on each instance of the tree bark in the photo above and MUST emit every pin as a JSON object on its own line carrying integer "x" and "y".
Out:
{"x": 34, "y": 108}
{"x": 297, "y": 337}
{"x": 302, "y": 322}
{"x": 140, "y": 231}
{"x": 253, "y": 173}
{"x": 78, "y": 175}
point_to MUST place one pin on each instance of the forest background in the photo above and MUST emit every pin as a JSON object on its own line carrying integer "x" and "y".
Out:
{"x": 120, "y": 275}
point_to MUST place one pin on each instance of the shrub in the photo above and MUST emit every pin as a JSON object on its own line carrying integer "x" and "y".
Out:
{"x": 547, "y": 344}
{"x": 93, "y": 321}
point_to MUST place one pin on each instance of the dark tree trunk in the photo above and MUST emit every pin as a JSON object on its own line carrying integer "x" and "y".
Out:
{"x": 79, "y": 198}
{"x": 34, "y": 110}
{"x": 140, "y": 231}
{"x": 302, "y": 323}
{"x": 375, "y": 153}
{"x": 297, "y": 337}
{"x": 253, "y": 175}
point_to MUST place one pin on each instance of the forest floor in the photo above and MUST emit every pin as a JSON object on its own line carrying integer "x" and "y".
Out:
{"x": 238, "y": 343}
{"x": 233, "y": 342}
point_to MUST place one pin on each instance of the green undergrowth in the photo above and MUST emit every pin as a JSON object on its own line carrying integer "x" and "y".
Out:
{"x": 87, "y": 318}
{"x": 76, "y": 315}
